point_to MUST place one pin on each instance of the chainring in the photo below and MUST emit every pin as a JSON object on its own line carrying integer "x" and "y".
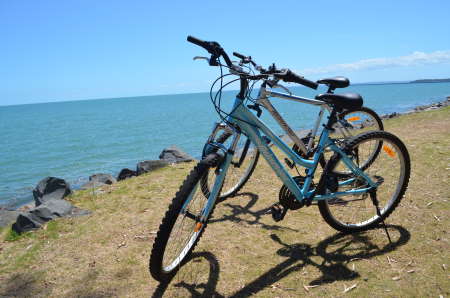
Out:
{"x": 287, "y": 198}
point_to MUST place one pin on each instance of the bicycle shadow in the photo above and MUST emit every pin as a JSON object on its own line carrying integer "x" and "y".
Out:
{"x": 238, "y": 209}
{"x": 195, "y": 283}
{"x": 333, "y": 265}
{"x": 336, "y": 253}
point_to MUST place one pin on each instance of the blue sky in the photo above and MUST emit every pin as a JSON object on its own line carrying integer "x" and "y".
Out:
{"x": 68, "y": 50}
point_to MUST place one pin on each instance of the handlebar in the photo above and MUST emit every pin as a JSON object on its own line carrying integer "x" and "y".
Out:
{"x": 216, "y": 51}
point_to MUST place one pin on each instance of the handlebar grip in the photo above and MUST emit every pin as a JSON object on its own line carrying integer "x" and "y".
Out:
{"x": 240, "y": 56}
{"x": 295, "y": 78}
{"x": 197, "y": 41}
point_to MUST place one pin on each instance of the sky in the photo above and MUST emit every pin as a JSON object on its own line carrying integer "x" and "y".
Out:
{"x": 76, "y": 49}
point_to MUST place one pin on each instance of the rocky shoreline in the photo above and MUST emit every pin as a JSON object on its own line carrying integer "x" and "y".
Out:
{"x": 50, "y": 192}
{"x": 421, "y": 108}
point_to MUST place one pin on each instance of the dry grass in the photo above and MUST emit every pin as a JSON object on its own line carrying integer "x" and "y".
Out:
{"x": 243, "y": 252}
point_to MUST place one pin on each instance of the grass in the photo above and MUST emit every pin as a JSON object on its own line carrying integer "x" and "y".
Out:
{"x": 244, "y": 252}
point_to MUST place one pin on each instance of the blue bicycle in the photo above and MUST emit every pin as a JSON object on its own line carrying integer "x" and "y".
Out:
{"x": 356, "y": 190}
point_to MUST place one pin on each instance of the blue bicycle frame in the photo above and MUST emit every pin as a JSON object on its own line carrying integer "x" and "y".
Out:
{"x": 258, "y": 133}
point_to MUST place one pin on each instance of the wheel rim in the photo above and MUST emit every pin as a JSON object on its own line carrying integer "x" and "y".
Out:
{"x": 186, "y": 229}
{"x": 356, "y": 211}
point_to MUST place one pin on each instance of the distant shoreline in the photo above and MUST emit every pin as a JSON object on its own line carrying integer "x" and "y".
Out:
{"x": 421, "y": 81}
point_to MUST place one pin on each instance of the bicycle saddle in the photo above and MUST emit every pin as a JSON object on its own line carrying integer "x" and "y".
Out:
{"x": 343, "y": 100}
{"x": 336, "y": 82}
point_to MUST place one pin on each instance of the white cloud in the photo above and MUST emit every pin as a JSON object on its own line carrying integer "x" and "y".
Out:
{"x": 416, "y": 58}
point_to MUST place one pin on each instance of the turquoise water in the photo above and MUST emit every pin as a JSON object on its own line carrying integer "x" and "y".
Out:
{"x": 73, "y": 140}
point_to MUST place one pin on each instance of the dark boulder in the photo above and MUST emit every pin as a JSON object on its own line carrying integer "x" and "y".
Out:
{"x": 7, "y": 217}
{"x": 26, "y": 222}
{"x": 150, "y": 165}
{"x": 125, "y": 174}
{"x": 174, "y": 154}
{"x": 97, "y": 180}
{"x": 51, "y": 188}
{"x": 36, "y": 217}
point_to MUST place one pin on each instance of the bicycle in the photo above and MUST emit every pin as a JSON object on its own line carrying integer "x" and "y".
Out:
{"x": 350, "y": 123}
{"x": 384, "y": 180}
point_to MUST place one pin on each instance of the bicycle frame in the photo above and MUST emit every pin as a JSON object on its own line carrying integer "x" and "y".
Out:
{"x": 257, "y": 132}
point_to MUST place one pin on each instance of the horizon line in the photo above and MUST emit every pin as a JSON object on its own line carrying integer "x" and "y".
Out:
{"x": 182, "y": 93}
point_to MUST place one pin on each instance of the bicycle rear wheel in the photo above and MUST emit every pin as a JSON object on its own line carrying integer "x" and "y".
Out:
{"x": 357, "y": 121}
{"x": 391, "y": 169}
{"x": 182, "y": 227}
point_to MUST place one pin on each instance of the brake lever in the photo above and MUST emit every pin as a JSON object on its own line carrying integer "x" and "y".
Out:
{"x": 201, "y": 58}
{"x": 276, "y": 85}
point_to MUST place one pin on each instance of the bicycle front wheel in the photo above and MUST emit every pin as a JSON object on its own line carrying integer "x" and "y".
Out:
{"x": 390, "y": 170}
{"x": 182, "y": 227}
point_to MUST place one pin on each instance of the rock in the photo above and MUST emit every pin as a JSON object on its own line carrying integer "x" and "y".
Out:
{"x": 125, "y": 174}
{"x": 419, "y": 108}
{"x": 51, "y": 188}
{"x": 7, "y": 217}
{"x": 26, "y": 222}
{"x": 45, "y": 212}
{"x": 103, "y": 178}
{"x": 52, "y": 209}
{"x": 97, "y": 180}
{"x": 175, "y": 155}
{"x": 388, "y": 116}
{"x": 91, "y": 184}
{"x": 150, "y": 165}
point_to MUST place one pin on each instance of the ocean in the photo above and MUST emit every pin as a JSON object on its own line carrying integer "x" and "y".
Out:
{"x": 73, "y": 140}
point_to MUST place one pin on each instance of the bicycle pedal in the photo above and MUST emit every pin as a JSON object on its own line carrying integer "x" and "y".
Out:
{"x": 278, "y": 212}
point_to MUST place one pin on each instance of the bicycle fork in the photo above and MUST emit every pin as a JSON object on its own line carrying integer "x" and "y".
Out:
{"x": 221, "y": 168}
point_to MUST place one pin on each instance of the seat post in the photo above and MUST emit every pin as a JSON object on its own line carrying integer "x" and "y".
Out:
{"x": 332, "y": 118}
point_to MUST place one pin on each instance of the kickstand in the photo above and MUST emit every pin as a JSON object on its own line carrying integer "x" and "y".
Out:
{"x": 373, "y": 196}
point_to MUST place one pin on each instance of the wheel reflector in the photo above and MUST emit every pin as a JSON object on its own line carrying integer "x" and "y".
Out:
{"x": 198, "y": 226}
{"x": 355, "y": 118}
{"x": 389, "y": 151}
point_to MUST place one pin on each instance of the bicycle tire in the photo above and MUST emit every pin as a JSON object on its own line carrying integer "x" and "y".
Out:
{"x": 250, "y": 159}
{"x": 157, "y": 267}
{"x": 395, "y": 150}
